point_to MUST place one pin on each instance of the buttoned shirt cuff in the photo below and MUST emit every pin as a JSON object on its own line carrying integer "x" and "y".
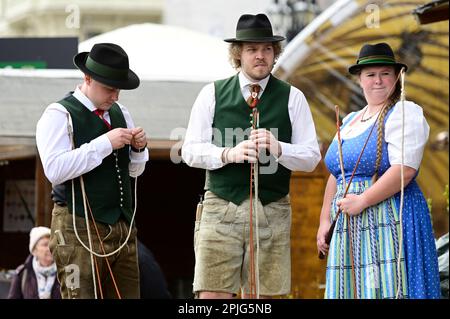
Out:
{"x": 140, "y": 157}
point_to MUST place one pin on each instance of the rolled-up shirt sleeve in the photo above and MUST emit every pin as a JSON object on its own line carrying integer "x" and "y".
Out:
{"x": 416, "y": 133}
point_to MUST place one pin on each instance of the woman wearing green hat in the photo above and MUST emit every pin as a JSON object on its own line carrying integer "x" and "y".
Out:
{"x": 376, "y": 250}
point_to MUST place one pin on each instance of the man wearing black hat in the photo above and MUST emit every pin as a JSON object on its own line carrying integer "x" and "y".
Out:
{"x": 89, "y": 148}
{"x": 219, "y": 140}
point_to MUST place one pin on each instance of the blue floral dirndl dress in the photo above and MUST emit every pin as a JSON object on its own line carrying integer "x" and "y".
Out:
{"x": 376, "y": 233}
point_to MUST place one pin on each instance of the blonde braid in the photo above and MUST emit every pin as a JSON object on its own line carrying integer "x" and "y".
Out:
{"x": 380, "y": 134}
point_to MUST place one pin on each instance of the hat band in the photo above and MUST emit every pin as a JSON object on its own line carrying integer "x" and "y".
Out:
{"x": 253, "y": 33}
{"x": 104, "y": 70}
{"x": 376, "y": 59}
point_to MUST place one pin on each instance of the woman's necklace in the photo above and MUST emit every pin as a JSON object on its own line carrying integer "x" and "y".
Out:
{"x": 365, "y": 120}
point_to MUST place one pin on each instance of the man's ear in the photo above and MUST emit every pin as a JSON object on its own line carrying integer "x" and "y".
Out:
{"x": 87, "y": 79}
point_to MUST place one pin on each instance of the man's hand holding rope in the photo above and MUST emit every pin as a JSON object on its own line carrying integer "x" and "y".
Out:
{"x": 139, "y": 139}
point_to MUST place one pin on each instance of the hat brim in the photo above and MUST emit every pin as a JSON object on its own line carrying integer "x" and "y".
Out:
{"x": 275, "y": 38}
{"x": 355, "y": 68}
{"x": 131, "y": 82}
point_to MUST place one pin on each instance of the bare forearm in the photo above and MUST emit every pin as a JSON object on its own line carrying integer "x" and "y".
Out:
{"x": 330, "y": 190}
{"x": 387, "y": 185}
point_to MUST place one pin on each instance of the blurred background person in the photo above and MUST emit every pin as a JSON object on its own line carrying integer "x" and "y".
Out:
{"x": 152, "y": 283}
{"x": 36, "y": 277}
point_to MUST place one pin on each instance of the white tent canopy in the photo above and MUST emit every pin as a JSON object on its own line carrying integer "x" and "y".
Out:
{"x": 169, "y": 53}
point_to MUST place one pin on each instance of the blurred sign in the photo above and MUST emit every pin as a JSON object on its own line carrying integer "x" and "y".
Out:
{"x": 24, "y": 64}
{"x": 38, "y": 53}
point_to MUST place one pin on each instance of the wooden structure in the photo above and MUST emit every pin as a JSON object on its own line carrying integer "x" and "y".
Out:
{"x": 434, "y": 11}
{"x": 308, "y": 271}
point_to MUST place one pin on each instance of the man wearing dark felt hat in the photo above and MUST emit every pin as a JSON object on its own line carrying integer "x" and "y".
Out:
{"x": 90, "y": 149}
{"x": 220, "y": 140}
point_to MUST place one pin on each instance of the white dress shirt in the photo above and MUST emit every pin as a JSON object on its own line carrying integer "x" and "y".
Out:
{"x": 60, "y": 162}
{"x": 416, "y": 132}
{"x": 302, "y": 154}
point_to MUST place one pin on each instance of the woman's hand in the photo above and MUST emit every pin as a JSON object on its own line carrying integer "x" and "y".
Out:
{"x": 352, "y": 204}
{"x": 322, "y": 232}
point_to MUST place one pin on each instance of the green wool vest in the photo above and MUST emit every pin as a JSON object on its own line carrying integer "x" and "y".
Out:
{"x": 107, "y": 186}
{"x": 232, "y": 113}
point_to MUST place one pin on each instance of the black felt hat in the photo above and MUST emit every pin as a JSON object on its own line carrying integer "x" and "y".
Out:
{"x": 254, "y": 28}
{"x": 107, "y": 63}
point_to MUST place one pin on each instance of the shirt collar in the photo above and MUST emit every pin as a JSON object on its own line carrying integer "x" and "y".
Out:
{"x": 244, "y": 82}
{"x": 83, "y": 99}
